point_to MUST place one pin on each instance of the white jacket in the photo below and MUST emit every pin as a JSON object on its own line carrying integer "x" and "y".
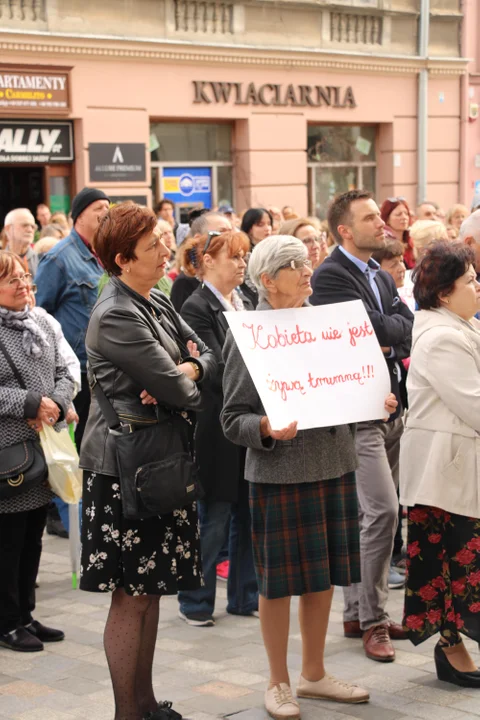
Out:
{"x": 440, "y": 448}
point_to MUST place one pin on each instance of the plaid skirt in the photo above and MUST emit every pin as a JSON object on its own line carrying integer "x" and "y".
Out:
{"x": 305, "y": 536}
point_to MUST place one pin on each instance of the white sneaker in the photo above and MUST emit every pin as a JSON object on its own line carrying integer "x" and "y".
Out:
{"x": 280, "y": 703}
{"x": 329, "y": 688}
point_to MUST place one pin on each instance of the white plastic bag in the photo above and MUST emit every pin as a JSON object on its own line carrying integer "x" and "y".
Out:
{"x": 64, "y": 475}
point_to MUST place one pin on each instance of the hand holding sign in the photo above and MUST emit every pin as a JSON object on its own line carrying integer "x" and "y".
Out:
{"x": 318, "y": 366}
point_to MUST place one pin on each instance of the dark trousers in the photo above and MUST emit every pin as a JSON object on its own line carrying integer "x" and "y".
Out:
{"x": 82, "y": 406}
{"x": 216, "y": 517}
{"x": 20, "y": 550}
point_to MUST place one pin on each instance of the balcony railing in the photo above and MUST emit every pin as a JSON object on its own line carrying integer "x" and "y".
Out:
{"x": 203, "y": 17}
{"x": 356, "y": 29}
{"x": 22, "y": 10}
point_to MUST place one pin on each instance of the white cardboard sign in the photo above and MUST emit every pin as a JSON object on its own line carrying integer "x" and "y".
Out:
{"x": 320, "y": 366}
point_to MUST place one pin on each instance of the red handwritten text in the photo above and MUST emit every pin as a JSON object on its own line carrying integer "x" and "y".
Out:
{"x": 359, "y": 332}
{"x": 331, "y": 334}
{"x": 284, "y": 386}
{"x": 263, "y": 340}
{"x": 359, "y": 377}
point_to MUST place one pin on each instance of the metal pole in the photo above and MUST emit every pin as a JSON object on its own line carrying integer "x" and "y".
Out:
{"x": 422, "y": 120}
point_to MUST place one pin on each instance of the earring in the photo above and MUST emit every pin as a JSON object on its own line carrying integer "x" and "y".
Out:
{"x": 128, "y": 269}
{"x": 447, "y": 302}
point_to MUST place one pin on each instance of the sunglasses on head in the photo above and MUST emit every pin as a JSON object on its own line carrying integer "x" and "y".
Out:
{"x": 211, "y": 234}
{"x": 397, "y": 199}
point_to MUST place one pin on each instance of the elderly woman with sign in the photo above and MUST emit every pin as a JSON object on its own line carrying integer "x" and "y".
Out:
{"x": 302, "y": 499}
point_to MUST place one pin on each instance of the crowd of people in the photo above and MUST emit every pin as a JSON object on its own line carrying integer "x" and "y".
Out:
{"x": 113, "y": 319}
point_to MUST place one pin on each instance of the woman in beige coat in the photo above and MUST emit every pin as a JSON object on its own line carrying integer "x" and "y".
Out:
{"x": 440, "y": 461}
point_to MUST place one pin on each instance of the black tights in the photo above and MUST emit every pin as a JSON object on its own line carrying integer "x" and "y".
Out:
{"x": 129, "y": 640}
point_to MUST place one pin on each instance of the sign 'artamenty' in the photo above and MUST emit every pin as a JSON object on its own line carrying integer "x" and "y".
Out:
{"x": 274, "y": 94}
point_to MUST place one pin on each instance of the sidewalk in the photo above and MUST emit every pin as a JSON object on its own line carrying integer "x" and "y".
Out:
{"x": 208, "y": 672}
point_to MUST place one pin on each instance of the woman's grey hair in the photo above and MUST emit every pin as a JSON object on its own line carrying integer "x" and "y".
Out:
{"x": 272, "y": 254}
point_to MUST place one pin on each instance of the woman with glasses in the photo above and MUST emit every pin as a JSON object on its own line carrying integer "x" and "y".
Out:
{"x": 35, "y": 390}
{"x": 396, "y": 214}
{"x": 313, "y": 240}
{"x": 218, "y": 260}
{"x": 303, "y": 500}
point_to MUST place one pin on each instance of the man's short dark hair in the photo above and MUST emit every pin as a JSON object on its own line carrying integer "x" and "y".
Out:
{"x": 392, "y": 249}
{"x": 339, "y": 210}
{"x": 159, "y": 205}
{"x": 440, "y": 267}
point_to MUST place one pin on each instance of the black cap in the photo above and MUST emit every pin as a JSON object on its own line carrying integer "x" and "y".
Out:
{"x": 84, "y": 198}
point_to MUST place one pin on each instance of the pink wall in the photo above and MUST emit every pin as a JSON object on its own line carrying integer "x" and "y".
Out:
{"x": 114, "y": 99}
{"x": 471, "y": 94}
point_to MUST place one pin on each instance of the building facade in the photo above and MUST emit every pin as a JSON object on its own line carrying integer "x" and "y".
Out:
{"x": 250, "y": 102}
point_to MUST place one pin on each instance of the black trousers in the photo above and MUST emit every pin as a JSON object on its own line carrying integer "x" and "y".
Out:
{"x": 82, "y": 406}
{"x": 20, "y": 550}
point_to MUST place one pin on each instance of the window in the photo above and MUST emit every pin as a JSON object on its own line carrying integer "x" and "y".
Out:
{"x": 340, "y": 158}
{"x": 190, "y": 142}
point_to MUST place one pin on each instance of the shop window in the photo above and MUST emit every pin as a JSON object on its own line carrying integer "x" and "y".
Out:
{"x": 190, "y": 142}
{"x": 340, "y": 158}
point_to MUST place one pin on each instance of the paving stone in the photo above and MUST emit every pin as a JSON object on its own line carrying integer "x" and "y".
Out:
{"x": 238, "y": 677}
{"x": 434, "y": 695}
{"x": 222, "y": 690}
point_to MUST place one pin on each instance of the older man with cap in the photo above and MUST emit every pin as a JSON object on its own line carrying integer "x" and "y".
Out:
{"x": 19, "y": 230}
{"x": 67, "y": 280}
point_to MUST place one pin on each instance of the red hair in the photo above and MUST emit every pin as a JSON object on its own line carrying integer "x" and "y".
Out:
{"x": 409, "y": 253}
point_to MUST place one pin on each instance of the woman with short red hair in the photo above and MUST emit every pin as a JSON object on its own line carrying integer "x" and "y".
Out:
{"x": 150, "y": 366}
{"x": 218, "y": 260}
{"x": 396, "y": 214}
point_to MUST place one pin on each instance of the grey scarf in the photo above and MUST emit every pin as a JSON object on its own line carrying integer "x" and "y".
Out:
{"x": 34, "y": 339}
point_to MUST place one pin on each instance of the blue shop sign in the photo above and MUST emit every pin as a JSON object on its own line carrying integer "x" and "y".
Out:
{"x": 188, "y": 185}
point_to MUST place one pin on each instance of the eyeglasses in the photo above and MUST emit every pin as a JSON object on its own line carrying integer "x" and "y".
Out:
{"x": 296, "y": 265}
{"x": 26, "y": 279}
{"x": 211, "y": 234}
{"x": 400, "y": 198}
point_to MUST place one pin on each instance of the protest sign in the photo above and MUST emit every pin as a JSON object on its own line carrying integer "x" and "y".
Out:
{"x": 321, "y": 366}
{"x": 406, "y": 291}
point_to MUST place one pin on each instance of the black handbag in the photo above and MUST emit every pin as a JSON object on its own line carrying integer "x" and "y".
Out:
{"x": 23, "y": 465}
{"x": 155, "y": 464}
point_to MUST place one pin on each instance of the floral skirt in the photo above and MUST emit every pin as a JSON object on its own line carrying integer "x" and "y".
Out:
{"x": 155, "y": 556}
{"x": 443, "y": 575}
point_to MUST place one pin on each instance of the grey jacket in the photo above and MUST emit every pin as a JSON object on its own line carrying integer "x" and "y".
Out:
{"x": 47, "y": 376}
{"x": 129, "y": 350}
{"x": 313, "y": 455}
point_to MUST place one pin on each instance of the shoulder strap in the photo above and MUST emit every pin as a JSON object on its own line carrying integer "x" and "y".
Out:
{"x": 12, "y": 365}
{"x": 113, "y": 421}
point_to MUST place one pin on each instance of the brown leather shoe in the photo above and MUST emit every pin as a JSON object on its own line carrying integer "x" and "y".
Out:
{"x": 396, "y": 631}
{"x": 351, "y": 629}
{"x": 378, "y": 645}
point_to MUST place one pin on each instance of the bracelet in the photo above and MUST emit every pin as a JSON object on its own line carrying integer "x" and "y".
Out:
{"x": 196, "y": 368}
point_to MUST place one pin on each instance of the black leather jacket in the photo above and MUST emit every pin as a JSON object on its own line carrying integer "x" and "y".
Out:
{"x": 129, "y": 351}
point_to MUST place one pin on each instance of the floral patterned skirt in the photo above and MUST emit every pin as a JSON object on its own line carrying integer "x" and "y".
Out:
{"x": 443, "y": 575}
{"x": 155, "y": 556}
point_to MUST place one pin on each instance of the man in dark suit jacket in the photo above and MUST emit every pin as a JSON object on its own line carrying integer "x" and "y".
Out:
{"x": 351, "y": 274}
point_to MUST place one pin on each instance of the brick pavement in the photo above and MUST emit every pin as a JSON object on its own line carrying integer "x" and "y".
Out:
{"x": 208, "y": 672}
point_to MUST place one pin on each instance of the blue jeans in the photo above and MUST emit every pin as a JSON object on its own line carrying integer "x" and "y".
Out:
{"x": 242, "y": 589}
{"x": 62, "y": 508}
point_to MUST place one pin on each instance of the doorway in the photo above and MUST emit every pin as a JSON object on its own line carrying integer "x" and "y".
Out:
{"x": 21, "y": 187}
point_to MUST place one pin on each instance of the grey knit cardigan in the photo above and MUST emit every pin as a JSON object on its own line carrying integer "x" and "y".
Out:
{"x": 44, "y": 376}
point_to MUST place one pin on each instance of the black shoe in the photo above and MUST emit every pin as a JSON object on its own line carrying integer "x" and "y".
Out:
{"x": 43, "y": 633}
{"x": 447, "y": 673}
{"x": 21, "y": 641}
{"x": 55, "y": 527}
{"x": 164, "y": 711}
{"x": 197, "y": 619}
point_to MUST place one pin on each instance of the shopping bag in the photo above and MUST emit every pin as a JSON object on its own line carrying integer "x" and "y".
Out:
{"x": 64, "y": 475}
